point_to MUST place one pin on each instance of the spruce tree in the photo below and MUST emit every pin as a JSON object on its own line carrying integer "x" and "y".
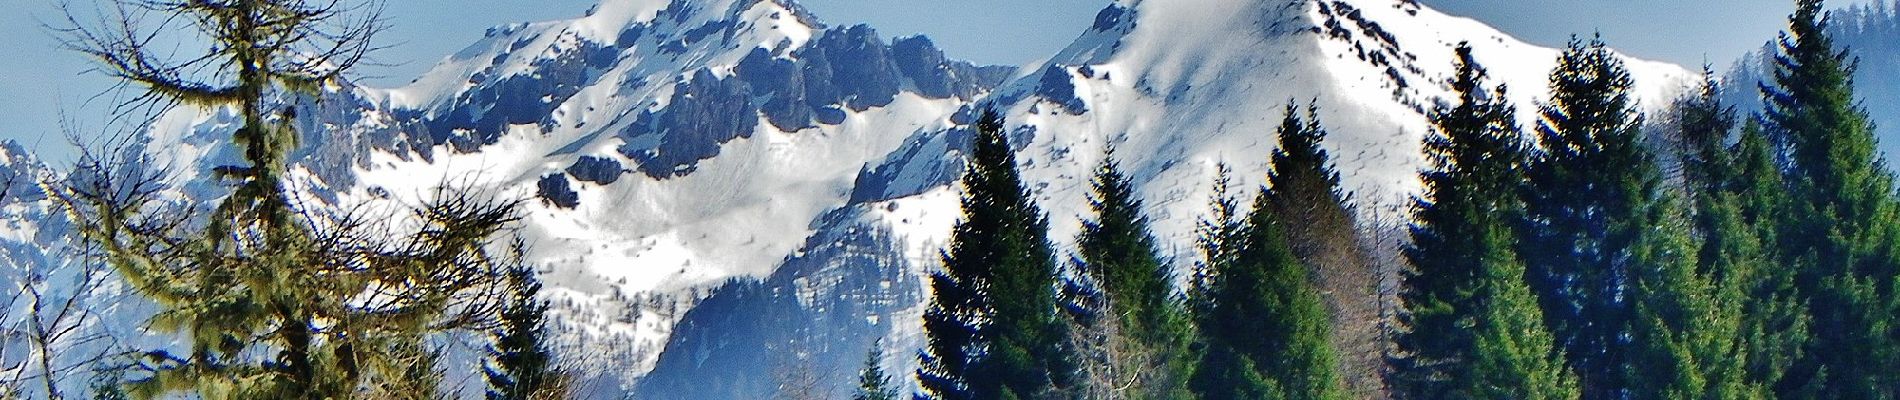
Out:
{"x": 1476, "y": 158}
{"x": 1263, "y": 320}
{"x": 1153, "y": 328}
{"x": 1589, "y": 202}
{"x": 520, "y": 367}
{"x": 1685, "y": 331}
{"x": 1266, "y": 328}
{"x": 1217, "y": 237}
{"x": 1745, "y": 232}
{"x": 1512, "y": 352}
{"x": 873, "y": 384}
{"x": 1842, "y": 229}
{"x": 1704, "y": 128}
{"x": 1323, "y": 235}
{"x": 992, "y": 326}
{"x": 1735, "y": 192}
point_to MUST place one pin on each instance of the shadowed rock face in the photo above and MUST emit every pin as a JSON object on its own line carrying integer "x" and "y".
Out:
{"x": 840, "y": 70}
{"x": 600, "y": 170}
{"x": 478, "y": 117}
{"x": 556, "y": 190}
{"x": 843, "y": 69}
{"x": 704, "y": 112}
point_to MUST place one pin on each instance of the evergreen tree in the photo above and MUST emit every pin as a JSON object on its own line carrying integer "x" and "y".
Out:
{"x": 1119, "y": 252}
{"x": 1323, "y": 235}
{"x": 1684, "y": 335}
{"x": 1512, "y": 353}
{"x": 1266, "y": 317}
{"x": 1589, "y": 202}
{"x": 1842, "y": 230}
{"x": 992, "y": 327}
{"x": 1264, "y": 322}
{"x": 1735, "y": 191}
{"x": 1704, "y": 128}
{"x": 1459, "y": 249}
{"x": 873, "y": 384}
{"x": 520, "y": 367}
{"x": 1218, "y": 239}
{"x": 1745, "y": 232}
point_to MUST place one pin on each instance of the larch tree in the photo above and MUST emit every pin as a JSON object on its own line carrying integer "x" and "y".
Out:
{"x": 272, "y": 294}
{"x": 1323, "y": 234}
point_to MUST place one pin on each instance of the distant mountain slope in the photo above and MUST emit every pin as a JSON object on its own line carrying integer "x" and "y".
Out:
{"x": 1870, "y": 33}
{"x": 1177, "y": 87}
{"x": 727, "y": 191}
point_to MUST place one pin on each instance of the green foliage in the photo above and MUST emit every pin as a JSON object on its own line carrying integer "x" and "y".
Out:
{"x": 1685, "y": 332}
{"x": 1476, "y": 159}
{"x": 520, "y": 367}
{"x": 1737, "y": 195}
{"x": 1747, "y": 219}
{"x": 1265, "y": 318}
{"x": 1322, "y": 234}
{"x": 1590, "y": 194}
{"x": 873, "y": 384}
{"x": 992, "y": 327}
{"x": 1149, "y": 350}
{"x": 1512, "y": 354}
{"x": 1218, "y": 239}
{"x": 1841, "y": 231}
{"x": 1224, "y": 374}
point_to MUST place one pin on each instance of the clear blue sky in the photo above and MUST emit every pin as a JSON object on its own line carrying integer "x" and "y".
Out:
{"x": 38, "y": 80}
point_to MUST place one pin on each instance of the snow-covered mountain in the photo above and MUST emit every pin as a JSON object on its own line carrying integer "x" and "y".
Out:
{"x": 733, "y": 195}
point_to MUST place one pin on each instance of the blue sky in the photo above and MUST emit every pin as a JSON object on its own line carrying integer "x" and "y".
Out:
{"x": 38, "y": 80}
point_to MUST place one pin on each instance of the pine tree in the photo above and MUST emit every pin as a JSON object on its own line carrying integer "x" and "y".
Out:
{"x": 1590, "y": 194}
{"x": 1476, "y": 156}
{"x": 873, "y": 384}
{"x": 992, "y": 327}
{"x": 1323, "y": 235}
{"x": 1842, "y": 231}
{"x": 520, "y": 367}
{"x": 1152, "y": 327}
